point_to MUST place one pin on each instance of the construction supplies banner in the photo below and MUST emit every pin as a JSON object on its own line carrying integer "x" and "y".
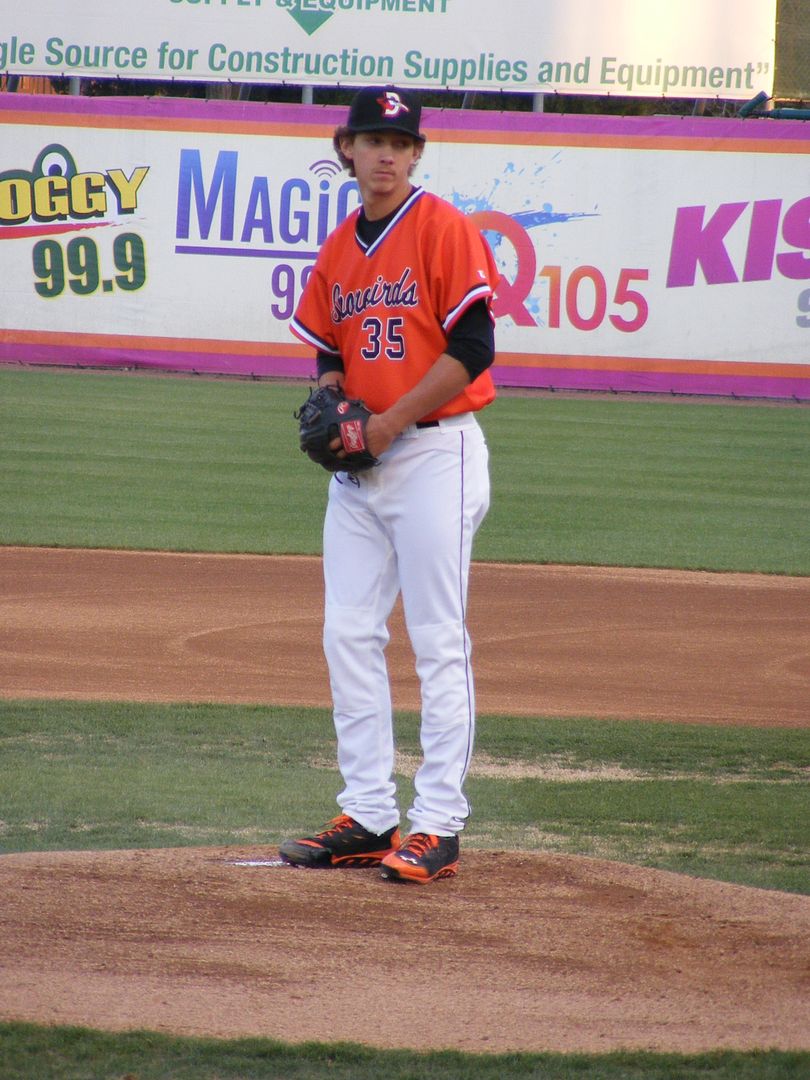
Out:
{"x": 635, "y": 253}
{"x": 646, "y": 48}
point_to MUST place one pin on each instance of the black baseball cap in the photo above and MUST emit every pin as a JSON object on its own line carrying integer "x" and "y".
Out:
{"x": 386, "y": 109}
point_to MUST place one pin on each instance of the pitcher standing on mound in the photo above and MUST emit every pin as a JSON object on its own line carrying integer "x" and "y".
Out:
{"x": 398, "y": 308}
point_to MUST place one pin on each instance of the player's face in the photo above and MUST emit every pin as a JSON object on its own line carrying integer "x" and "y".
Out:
{"x": 382, "y": 164}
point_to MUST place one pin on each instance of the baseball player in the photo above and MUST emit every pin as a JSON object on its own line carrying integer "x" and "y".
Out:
{"x": 398, "y": 310}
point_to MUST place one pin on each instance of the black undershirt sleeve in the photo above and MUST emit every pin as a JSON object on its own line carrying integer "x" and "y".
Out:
{"x": 472, "y": 339}
{"x": 328, "y": 362}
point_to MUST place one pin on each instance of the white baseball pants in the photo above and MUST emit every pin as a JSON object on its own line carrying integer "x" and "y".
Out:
{"x": 405, "y": 526}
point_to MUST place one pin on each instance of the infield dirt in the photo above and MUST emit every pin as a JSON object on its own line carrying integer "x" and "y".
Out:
{"x": 520, "y": 951}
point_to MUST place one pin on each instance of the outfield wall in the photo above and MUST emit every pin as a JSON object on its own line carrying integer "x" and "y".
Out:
{"x": 663, "y": 254}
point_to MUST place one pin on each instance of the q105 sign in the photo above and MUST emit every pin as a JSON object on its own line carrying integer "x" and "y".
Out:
{"x": 634, "y": 254}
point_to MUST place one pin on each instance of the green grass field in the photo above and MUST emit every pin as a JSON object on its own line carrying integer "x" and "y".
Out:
{"x": 114, "y": 460}
{"x": 726, "y": 803}
{"x": 28, "y": 1052}
{"x": 93, "y": 459}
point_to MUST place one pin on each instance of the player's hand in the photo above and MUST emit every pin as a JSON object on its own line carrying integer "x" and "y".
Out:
{"x": 379, "y": 436}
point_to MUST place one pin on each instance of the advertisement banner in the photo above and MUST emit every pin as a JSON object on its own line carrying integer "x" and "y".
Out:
{"x": 657, "y": 254}
{"x": 644, "y": 48}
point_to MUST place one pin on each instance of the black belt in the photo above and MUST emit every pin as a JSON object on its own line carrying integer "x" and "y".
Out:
{"x": 427, "y": 423}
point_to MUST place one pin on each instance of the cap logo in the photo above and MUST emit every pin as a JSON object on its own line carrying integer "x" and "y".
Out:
{"x": 384, "y": 108}
{"x": 392, "y": 105}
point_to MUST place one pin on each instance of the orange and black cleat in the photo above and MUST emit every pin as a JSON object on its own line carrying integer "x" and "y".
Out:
{"x": 422, "y": 858}
{"x": 343, "y": 842}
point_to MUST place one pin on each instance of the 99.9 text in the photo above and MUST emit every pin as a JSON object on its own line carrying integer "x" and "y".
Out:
{"x": 79, "y": 266}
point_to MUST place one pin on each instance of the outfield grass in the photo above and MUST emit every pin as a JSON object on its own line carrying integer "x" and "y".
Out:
{"x": 114, "y": 460}
{"x": 649, "y": 483}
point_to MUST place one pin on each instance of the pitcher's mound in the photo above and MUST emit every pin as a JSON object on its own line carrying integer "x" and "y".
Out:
{"x": 519, "y": 952}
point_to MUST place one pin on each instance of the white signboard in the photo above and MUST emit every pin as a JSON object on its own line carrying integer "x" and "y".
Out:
{"x": 646, "y": 48}
{"x": 635, "y": 253}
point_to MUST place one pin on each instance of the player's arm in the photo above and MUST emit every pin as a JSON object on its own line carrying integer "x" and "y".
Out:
{"x": 442, "y": 382}
{"x": 470, "y": 350}
{"x": 330, "y": 369}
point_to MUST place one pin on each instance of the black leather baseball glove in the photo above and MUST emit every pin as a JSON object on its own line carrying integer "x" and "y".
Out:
{"x": 326, "y": 415}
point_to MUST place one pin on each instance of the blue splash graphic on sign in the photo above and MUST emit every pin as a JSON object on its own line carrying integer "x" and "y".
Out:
{"x": 529, "y": 219}
{"x": 500, "y": 195}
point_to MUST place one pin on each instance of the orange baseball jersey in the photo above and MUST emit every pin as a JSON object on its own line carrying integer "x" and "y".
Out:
{"x": 386, "y": 308}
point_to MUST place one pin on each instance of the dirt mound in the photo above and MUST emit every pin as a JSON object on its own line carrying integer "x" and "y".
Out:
{"x": 519, "y": 952}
